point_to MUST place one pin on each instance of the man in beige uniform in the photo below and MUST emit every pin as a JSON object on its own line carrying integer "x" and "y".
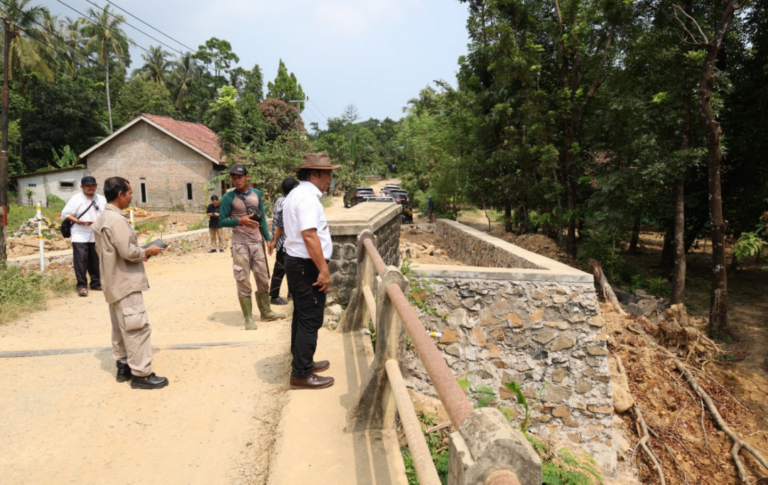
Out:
{"x": 121, "y": 260}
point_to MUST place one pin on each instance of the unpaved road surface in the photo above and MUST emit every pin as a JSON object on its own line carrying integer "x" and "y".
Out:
{"x": 64, "y": 418}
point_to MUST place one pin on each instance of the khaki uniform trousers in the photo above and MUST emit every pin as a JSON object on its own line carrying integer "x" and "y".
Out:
{"x": 247, "y": 258}
{"x": 131, "y": 332}
{"x": 217, "y": 238}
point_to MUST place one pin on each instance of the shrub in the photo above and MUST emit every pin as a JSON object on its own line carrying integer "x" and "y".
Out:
{"x": 20, "y": 293}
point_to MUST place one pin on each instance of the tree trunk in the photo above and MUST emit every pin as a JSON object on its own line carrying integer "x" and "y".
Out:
{"x": 109, "y": 104}
{"x": 635, "y": 236}
{"x": 507, "y": 216}
{"x": 571, "y": 247}
{"x": 678, "y": 278}
{"x": 718, "y": 306}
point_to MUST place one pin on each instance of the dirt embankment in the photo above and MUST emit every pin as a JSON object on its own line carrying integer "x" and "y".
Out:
{"x": 683, "y": 434}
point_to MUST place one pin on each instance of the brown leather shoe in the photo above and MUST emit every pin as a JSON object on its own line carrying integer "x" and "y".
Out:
{"x": 314, "y": 381}
{"x": 321, "y": 366}
{"x": 98, "y": 288}
{"x": 82, "y": 291}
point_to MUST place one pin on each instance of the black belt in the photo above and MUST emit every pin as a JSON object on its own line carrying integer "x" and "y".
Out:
{"x": 304, "y": 259}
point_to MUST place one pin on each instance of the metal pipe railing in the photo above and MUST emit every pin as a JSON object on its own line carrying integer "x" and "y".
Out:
{"x": 456, "y": 403}
{"x": 375, "y": 406}
{"x": 378, "y": 263}
{"x": 422, "y": 458}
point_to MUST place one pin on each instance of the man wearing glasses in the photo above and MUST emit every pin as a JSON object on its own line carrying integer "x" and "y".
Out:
{"x": 83, "y": 209}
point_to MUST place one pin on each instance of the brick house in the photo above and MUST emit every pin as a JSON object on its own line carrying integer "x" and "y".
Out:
{"x": 168, "y": 162}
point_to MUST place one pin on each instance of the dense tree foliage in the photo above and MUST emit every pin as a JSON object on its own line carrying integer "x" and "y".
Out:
{"x": 586, "y": 119}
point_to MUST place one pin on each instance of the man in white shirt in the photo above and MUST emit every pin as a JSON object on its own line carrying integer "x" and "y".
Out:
{"x": 308, "y": 248}
{"x": 83, "y": 209}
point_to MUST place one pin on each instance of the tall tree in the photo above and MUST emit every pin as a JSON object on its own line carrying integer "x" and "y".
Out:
{"x": 106, "y": 38}
{"x": 225, "y": 119}
{"x": 286, "y": 87}
{"x": 184, "y": 71}
{"x": 718, "y": 307}
{"x": 28, "y": 45}
{"x": 156, "y": 66}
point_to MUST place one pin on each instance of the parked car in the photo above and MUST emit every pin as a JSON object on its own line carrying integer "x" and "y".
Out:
{"x": 400, "y": 196}
{"x": 380, "y": 198}
{"x": 357, "y": 195}
{"x": 389, "y": 188}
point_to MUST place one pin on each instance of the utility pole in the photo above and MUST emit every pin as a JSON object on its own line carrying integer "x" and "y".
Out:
{"x": 298, "y": 117}
{"x": 4, "y": 146}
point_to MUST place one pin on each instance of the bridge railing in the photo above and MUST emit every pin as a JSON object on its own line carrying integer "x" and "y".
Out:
{"x": 485, "y": 448}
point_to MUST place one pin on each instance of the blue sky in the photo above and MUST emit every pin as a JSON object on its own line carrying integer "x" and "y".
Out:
{"x": 376, "y": 54}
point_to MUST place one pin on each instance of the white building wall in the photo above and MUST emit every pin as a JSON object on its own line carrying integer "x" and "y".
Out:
{"x": 45, "y": 183}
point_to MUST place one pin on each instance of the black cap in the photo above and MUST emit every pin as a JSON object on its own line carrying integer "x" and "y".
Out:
{"x": 238, "y": 170}
{"x": 88, "y": 180}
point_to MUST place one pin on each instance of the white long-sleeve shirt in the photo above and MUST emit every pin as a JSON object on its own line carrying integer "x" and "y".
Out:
{"x": 75, "y": 206}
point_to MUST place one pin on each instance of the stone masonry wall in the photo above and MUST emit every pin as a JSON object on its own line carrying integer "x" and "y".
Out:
{"x": 539, "y": 334}
{"x": 343, "y": 264}
{"x": 476, "y": 252}
{"x": 60, "y": 262}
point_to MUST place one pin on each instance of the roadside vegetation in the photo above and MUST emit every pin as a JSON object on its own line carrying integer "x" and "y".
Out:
{"x": 20, "y": 293}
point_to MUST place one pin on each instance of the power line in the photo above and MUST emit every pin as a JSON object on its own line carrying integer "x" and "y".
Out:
{"x": 314, "y": 113}
{"x": 94, "y": 22}
{"x": 316, "y": 106}
{"x": 137, "y": 29}
{"x": 153, "y": 28}
{"x": 29, "y": 36}
{"x": 63, "y": 41}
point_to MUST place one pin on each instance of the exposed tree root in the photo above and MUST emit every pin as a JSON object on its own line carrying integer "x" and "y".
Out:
{"x": 610, "y": 296}
{"x": 738, "y": 443}
{"x": 643, "y": 443}
{"x": 692, "y": 345}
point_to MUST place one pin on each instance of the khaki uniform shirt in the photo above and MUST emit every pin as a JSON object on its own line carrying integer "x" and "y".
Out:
{"x": 121, "y": 259}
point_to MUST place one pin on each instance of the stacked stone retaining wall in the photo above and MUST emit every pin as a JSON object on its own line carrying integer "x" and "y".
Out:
{"x": 343, "y": 263}
{"x": 540, "y": 328}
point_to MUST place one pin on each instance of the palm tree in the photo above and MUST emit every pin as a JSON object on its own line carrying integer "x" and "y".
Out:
{"x": 156, "y": 65}
{"x": 186, "y": 70}
{"x": 27, "y": 45}
{"x": 105, "y": 37}
{"x": 69, "y": 30}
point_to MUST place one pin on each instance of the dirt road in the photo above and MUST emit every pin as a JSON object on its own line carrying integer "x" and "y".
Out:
{"x": 66, "y": 420}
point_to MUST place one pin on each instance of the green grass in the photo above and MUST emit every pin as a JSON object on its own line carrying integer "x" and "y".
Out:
{"x": 22, "y": 294}
{"x": 17, "y": 214}
{"x": 151, "y": 226}
{"x": 198, "y": 225}
{"x": 327, "y": 202}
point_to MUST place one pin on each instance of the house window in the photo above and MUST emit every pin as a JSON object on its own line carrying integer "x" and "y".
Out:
{"x": 143, "y": 186}
{"x": 66, "y": 184}
{"x": 189, "y": 191}
{"x": 31, "y": 185}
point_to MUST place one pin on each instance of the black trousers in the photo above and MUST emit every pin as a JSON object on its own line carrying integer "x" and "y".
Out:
{"x": 309, "y": 308}
{"x": 86, "y": 260}
{"x": 277, "y": 275}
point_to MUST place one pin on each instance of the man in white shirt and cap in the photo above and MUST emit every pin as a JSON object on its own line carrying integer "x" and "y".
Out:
{"x": 308, "y": 249}
{"x": 83, "y": 209}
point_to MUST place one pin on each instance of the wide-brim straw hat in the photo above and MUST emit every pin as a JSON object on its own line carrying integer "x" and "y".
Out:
{"x": 316, "y": 161}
